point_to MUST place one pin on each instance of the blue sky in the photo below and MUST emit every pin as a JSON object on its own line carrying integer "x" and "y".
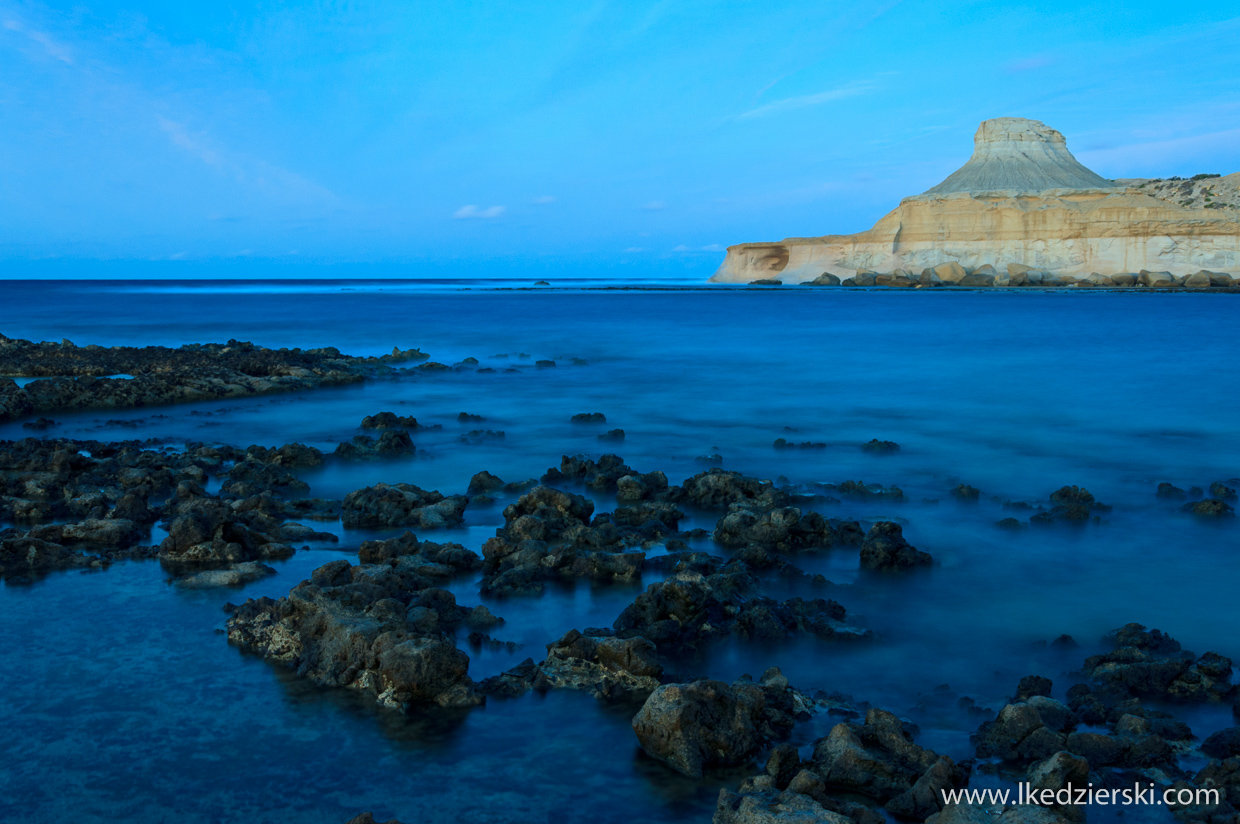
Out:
{"x": 506, "y": 139}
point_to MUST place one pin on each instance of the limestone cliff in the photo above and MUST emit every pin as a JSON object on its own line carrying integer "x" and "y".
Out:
{"x": 1022, "y": 198}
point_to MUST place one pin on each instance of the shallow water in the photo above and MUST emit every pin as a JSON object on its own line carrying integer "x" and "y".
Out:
{"x": 122, "y": 702}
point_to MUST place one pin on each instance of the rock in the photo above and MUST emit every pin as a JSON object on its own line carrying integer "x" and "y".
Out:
{"x": 1210, "y": 508}
{"x": 900, "y": 281}
{"x": 864, "y": 277}
{"x": 976, "y": 280}
{"x": 878, "y": 759}
{"x": 1027, "y": 731}
{"x": 766, "y": 282}
{"x": 1058, "y": 772}
{"x": 606, "y": 667}
{"x": 689, "y": 610}
{"x": 885, "y": 549}
{"x": 1147, "y": 278}
{"x": 383, "y": 630}
{"x": 880, "y": 447}
{"x": 589, "y": 417}
{"x": 1125, "y": 279}
{"x": 402, "y": 505}
{"x": 700, "y": 725}
{"x": 1222, "y": 491}
{"x": 825, "y": 279}
{"x": 1223, "y": 744}
{"x": 453, "y": 556}
{"x": 237, "y": 575}
{"x": 614, "y": 435}
{"x": 1198, "y": 280}
{"x": 389, "y": 420}
{"x": 1032, "y": 685}
{"x": 771, "y": 807}
{"x": 1166, "y": 490}
{"x": 393, "y": 443}
{"x": 950, "y": 272}
{"x": 781, "y": 529}
{"x": 483, "y": 482}
{"x": 162, "y": 375}
{"x": 964, "y": 492}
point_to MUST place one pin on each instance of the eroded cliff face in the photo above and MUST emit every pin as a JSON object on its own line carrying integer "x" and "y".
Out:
{"x": 1022, "y": 198}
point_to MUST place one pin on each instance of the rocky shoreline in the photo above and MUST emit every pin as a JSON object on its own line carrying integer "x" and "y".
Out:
{"x": 1018, "y": 275}
{"x": 388, "y": 627}
{"x": 73, "y": 377}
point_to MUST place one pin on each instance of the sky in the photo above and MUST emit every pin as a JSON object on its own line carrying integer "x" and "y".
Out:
{"x": 577, "y": 139}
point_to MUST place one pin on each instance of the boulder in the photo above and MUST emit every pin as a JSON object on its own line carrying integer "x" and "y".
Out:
{"x": 825, "y": 279}
{"x": 950, "y": 272}
{"x": 703, "y": 724}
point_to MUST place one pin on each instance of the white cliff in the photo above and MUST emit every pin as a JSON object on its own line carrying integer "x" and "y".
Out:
{"x": 1022, "y": 198}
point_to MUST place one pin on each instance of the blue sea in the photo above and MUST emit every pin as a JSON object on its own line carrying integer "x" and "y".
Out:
{"x": 121, "y": 700}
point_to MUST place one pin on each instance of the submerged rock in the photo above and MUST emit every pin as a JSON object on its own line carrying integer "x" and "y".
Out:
{"x": 237, "y": 575}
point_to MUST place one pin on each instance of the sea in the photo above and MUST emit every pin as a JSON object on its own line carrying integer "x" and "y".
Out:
{"x": 121, "y": 700}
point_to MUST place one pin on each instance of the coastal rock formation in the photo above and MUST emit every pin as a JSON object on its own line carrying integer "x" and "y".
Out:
{"x": 382, "y": 629}
{"x": 1021, "y": 199}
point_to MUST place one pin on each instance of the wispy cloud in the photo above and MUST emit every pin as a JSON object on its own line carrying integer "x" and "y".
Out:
{"x": 632, "y": 249}
{"x": 714, "y": 247}
{"x": 654, "y": 206}
{"x": 806, "y": 101}
{"x": 53, "y": 48}
{"x": 194, "y": 144}
{"x": 251, "y": 172}
{"x": 542, "y": 201}
{"x": 472, "y": 211}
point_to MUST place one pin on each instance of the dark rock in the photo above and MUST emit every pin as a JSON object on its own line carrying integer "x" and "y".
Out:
{"x": 1027, "y": 731}
{"x": 1032, "y": 685}
{"x": 389, "y": 420}
{"x": 1223, "y": 744}
{"x": 393, "y": 443}
{"x": 885, "y": 549}
{"x": 696, "y": 726}
{"x": 612, "y": 435}
{"x": 964, "y": 492}
{"x": 402, "y": 505}
{"x": 880, "y": 447}
{"x": 1210, "y": 508}
{"x": 878, "y": 759}
{"x": 589, "y": 417}
{"x": 380, "y": 629}
{"x": 1174, "y": 493}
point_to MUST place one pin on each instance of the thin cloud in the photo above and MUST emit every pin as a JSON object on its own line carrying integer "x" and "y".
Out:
{"x": 681, "y": 248}
{"x": 194, "y": 144}
{"x": 54, "y": 49}
{"x": 543, "y": 200}
{"x": 654, "y": 206}
{"x": 806, "y": 101}
{"x": 714, "y": 247}
{"x": 250, "y": 172}
{"x": 634, "y": 249}
{"x": 471, "y": 211}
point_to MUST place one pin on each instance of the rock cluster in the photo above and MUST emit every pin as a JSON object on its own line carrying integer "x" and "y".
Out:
{"x": 384, "y": 629}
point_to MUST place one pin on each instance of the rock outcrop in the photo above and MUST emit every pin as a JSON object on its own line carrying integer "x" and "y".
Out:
{"x": 1021, "y": 199}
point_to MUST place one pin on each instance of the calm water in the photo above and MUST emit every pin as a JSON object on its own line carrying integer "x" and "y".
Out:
{"x": 122, "y": 702}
